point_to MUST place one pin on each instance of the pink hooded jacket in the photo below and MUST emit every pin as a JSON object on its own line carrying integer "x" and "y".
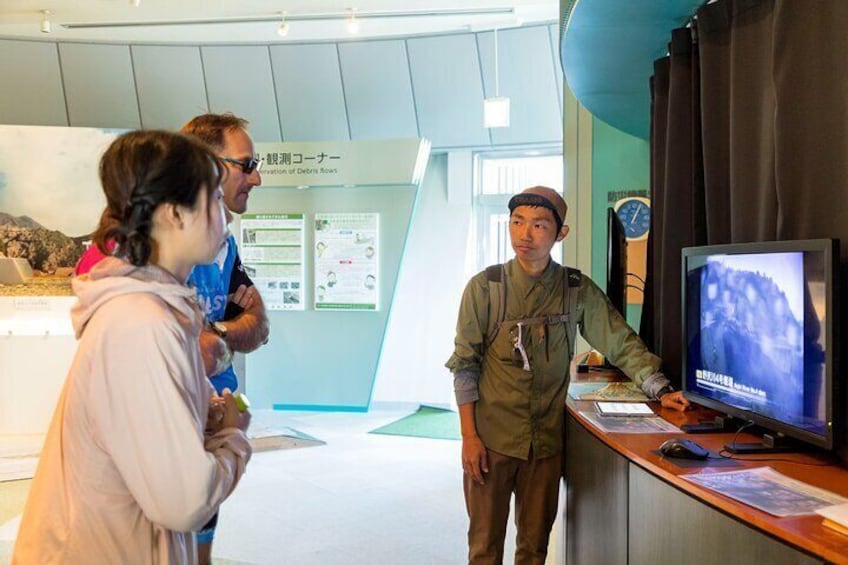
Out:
{"x": 126, "y": 473}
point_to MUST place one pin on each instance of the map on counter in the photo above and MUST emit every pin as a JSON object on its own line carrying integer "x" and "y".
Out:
{"x": 617, "y": 392}
{"x": 618, "y": 425}
{"x": 767, "y": 490}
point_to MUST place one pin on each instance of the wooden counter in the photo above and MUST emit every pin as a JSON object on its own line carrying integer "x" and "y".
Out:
{"x": 627, "y": 504}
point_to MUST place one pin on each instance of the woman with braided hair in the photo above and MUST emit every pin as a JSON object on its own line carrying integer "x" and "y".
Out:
{"x": 130, "y": 466}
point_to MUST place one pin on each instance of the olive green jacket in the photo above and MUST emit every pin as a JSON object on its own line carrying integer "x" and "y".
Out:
{"x": 518, "y": 409}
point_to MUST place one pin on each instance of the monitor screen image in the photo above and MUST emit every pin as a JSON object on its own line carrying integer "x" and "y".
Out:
{"x": 758, "y": 334}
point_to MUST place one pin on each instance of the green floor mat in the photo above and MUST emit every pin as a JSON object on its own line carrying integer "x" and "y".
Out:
{"x": 428, "y": 422}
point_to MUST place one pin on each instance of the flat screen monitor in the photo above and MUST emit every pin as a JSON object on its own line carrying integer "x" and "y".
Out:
{"x": 758, "y": 339}
{"x": 616, "y": 262}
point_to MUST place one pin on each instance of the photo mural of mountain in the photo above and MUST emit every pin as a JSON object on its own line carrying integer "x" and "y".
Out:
{"x": 48, "y": 251}
{"x": 50, "y": 199}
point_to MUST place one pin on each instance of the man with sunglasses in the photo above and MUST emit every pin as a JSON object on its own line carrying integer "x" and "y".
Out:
{"x": 233, "y": 306}
{"x": 511, "y": 386}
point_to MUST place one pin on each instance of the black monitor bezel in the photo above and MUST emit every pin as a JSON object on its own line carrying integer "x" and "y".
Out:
{"x": 830, "y": 249}
{"x": 617, "y": 274}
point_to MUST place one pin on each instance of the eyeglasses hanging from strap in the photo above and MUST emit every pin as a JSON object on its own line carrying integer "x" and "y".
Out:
{"x": 519, "y": 354}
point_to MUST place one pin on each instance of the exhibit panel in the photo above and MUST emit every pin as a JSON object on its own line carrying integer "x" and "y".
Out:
{"x": 357, "y": 200}
{"x": 319, "y": 359}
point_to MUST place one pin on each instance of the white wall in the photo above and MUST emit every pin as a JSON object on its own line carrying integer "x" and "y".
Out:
{"x": 419, "y": 337}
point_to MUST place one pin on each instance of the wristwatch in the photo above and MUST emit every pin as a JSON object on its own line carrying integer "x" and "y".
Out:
{"x": 220, "y": 329}
{"x": 664, "y": 390}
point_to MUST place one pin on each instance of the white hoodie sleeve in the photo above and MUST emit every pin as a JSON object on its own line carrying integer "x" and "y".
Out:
{"x": 148, "y": 404}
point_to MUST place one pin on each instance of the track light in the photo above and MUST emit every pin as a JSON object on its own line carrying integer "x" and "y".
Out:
{"x": 45, "y": 22}
{"x": 283, "y": 28}
{"x": 352, "y": 24}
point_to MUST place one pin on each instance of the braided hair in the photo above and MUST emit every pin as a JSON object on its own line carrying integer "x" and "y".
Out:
{"x": 142, "y": 170}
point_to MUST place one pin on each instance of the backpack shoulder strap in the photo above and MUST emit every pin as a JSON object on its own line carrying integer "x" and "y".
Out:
{"x": 495, "y": 278}
{"x": 570, "y": 290}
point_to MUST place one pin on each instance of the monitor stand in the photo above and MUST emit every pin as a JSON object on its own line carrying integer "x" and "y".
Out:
{"x": 770, "y": 444}
{"x": 718, "y": 425}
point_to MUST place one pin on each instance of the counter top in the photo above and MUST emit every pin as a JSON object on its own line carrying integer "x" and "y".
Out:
{"x": 816, "y": 468}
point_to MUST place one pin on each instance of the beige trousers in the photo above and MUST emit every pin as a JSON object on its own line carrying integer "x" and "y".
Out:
{"x": 536, "y": 486}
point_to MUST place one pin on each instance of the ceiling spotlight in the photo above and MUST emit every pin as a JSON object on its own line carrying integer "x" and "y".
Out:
{"x": 135, "y": 3}
{"x": 352, "y": 24}
{"x": 283, "y": 28}
{"x": 45, "y": 22}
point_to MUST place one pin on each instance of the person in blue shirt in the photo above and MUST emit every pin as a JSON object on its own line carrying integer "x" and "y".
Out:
{"x": 234, "y": 308}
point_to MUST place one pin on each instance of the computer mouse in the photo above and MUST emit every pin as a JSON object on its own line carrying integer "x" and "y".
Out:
{"x": 683, "y": 449}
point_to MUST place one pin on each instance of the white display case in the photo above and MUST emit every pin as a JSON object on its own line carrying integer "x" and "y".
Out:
{"x": 37, "y": 346}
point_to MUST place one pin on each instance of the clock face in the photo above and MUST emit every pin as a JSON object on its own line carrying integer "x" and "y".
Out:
{"x": 635, "y": 215}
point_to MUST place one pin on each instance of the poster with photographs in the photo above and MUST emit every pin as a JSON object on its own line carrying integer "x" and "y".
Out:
{"x": 346, "y": 261}
{"x": 272, "y": 251}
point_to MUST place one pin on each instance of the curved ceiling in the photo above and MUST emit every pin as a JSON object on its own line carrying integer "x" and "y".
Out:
{"x": 258, "y": 21}
{"x": 608, "y": 52}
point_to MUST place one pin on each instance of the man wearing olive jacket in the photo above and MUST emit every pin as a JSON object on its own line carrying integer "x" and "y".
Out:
{"x": 511, "y": 386}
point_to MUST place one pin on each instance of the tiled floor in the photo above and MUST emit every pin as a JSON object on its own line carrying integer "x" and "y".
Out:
{"x": 360, "y": 499}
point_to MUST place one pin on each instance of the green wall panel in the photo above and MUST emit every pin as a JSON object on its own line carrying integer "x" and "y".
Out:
{"x": 620, "y": 166}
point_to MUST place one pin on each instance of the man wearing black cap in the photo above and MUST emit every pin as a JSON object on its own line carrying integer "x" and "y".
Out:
{"x": 511, "y": 386}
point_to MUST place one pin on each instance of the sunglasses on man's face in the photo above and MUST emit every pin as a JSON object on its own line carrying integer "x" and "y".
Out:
{"x": 247, "y": 166}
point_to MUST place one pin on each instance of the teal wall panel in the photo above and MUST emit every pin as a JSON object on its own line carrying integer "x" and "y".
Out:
{"x": 620, "y": 162}
{"x": 328, "y": 360}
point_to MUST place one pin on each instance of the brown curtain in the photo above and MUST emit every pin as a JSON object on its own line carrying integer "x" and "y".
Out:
{"x": 768, "y": 100}
{"x": 659, "y": 111}
{"x": 738, "y": 103}
{"x": 775, "y": 128}
{"x": 676, "y": 193}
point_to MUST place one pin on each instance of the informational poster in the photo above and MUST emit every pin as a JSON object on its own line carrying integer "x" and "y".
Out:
{"x": 346, "y": 261}
{"x": 272, "y": 252}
